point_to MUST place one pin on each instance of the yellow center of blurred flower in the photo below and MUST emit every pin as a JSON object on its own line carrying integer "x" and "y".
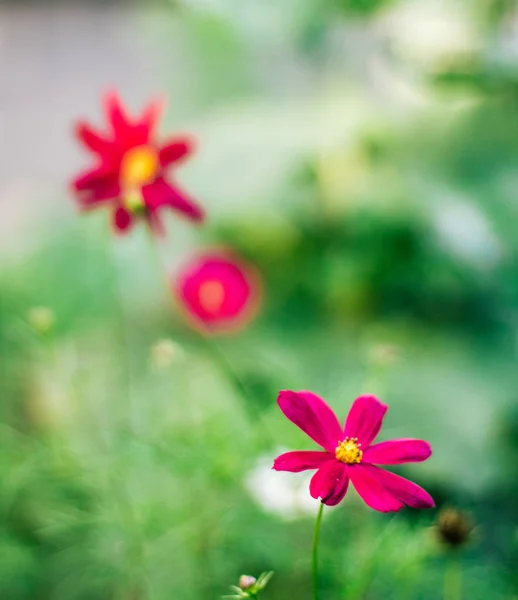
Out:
{"x": 349, "y": 451}
{"x": 211, "y": 295}
{"x": 139, "y": 166}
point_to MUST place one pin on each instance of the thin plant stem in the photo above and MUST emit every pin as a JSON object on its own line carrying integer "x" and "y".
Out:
{"x": 123, "y": 497}
{"x": 211, "y": 349}
{"x": 453, "y": 579}
{"x": 360, "y": 585}
{"x": 252, "y": 413}
{"x": 316, "y": 538}
{"x": 124, "y": 341}
{"x": 226, "y": 368}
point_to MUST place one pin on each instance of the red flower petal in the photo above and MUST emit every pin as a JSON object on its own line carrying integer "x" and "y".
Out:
{"x": 122, "y": 219}
{"x": 95, "y": 186}
{"x": 160, "y": 193}
{"x": 142, "y": 131}
{"x": 395, "y": 452}
{"x": 364, "y": 419}
{"x": 371, "y": 489}
{"x": 151, "y": 116}
{"x": 301, "y": 460}
{"x": 91, "y": 139}
{"x": 404, "y": 490}
{"x": 116, "y": 114}
{"x": 330, "y": 483}
{"x": 90, "y": 199}
{"x": 175, "y": 150}
{"x": 311, "y": 414}
{"x": 90, "y": 180}
{"x": 130, "y": 133}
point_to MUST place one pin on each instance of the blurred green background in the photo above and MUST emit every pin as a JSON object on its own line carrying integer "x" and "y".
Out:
{"x": 363, "y": 154}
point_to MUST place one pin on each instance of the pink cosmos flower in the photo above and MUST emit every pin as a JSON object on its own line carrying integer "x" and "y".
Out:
{"x": 131, "y": 168}
{"x": 218, "y": 291}
{"x": 349, "y": 455}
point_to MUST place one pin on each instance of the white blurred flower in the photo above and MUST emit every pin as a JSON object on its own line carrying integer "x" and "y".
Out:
{"x": 463, "y": 229}
{"x": 429, "y": 31}
{"x": 504, "y": 52}
{"x": 281, "y": 493}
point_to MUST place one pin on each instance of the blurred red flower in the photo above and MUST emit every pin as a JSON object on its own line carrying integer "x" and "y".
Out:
{"x": 349, "y": 454}
{"x": 130, "y": 170}
{"x": 218, "y": 292}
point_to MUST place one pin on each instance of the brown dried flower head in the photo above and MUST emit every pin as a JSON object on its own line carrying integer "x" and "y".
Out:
{"x": 454, "y": 527}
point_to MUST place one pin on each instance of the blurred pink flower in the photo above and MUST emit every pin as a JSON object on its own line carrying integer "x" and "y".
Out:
{"x": 218, "y": 291}
{"x": 130, "y": 168}
{"x": 349, "y": 454}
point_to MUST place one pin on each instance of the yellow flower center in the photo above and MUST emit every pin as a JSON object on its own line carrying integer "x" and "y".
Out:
{"x": 139, "y": 166}
{"x": 211, "y": 295}
{"x": 348, "y": 451}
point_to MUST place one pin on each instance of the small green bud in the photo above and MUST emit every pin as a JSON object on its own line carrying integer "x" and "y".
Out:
{"x": 164, "y": 353}
{"x": 249, "y": 587}
{"x": 41, "y": 319}
{"x": 383, "y": 355}
{"x": 134, "y": 203}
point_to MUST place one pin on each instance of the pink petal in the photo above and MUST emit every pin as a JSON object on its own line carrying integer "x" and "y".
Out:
{"x": 91, "y": 139}
{"x": 311, "y": 414}
{"x": 151, "y": 116}
{"x": 141, "y": 132}
{"x": 90, "y": 180}
{"x": 128, "y": 132}
{"x": 395, "y": 452}
{"x": 330, "y": 482}
{"x": 94, "y": 187}
{"x": 371, "y": 489}
{"x": 175, "y": 150}
{"x": 301, "y": 460}
{"x": 122, "y": 219}
{"x": 116, "y": 114}
{"x": 364, "y": 419}
{"x": 160, "y": 193}
{"x": 404, "y": 490}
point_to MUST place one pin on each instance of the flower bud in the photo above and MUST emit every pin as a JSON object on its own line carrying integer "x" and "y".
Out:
{"x": 246, "y": 582}
{"x": 249, "y": 587}
{"x": 164, "y": 353}
{"x": 383, "y": 355}
{"x": 454, "y": 527}
{"x": 41, "y": 319}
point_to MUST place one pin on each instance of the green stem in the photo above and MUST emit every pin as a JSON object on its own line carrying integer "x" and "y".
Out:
{"x": 123, "y": 340}
{"x": 225, "y": 367}
{"x": 315, "y": 550}
{"x": 252, "y": 412}
{"x": 453, "y": 579}
{"x": 216, "y": 355}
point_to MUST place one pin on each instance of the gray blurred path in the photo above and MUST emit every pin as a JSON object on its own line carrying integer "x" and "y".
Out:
{"x": 54, "y": 63}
